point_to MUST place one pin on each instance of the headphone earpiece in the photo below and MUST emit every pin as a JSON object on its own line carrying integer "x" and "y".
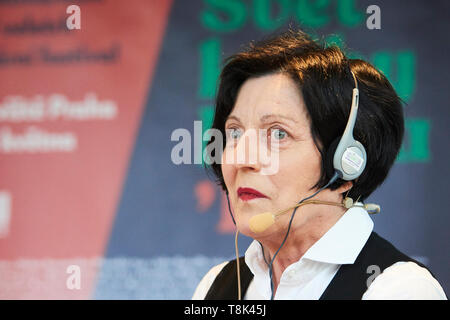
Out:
{"x": 350, "y": 159}
{"x": 346, "y": 156}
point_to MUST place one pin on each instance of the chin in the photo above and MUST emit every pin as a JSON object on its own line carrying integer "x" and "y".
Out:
{"x": 243, "y": 224}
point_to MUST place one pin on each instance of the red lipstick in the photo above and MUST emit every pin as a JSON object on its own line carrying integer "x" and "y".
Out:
{"x": 247, "y": 194}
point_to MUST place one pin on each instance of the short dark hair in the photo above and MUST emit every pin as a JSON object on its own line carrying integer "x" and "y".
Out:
{"x": 323, "y": 75}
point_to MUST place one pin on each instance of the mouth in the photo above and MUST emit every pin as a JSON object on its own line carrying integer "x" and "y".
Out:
{"x": 247, "y": 194}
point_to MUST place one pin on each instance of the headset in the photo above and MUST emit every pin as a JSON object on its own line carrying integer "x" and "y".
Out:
{"x": 348, "y": 156}
{"x": 346, "y": 159}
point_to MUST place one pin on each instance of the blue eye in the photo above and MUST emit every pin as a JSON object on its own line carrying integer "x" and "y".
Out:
{"x": 234, "y": 133}
{"x": 278, "y": 134}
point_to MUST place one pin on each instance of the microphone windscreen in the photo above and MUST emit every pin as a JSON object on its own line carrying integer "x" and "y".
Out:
{"x": 372, "y": 208}
{"x": 261, "y": 222}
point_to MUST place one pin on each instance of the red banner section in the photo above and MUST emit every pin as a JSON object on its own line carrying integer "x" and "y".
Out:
{"x": 70, "y": 104}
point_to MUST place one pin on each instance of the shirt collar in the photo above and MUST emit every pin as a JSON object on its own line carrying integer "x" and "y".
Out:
{"x": 341, "y": 244}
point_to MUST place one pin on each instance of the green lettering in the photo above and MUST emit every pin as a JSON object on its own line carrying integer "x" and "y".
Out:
{"x": 347, "y": 14}
{"x": 416, "y": 147}
{"x": 263, "y": 11}
{"x": 338, "y": 39}
{"x": 313, "y": 13}
{"x": 223, "y": 16}
{"x": 209, "y": 67}
{"x": 335, "y": 39}
{"x": 405, "y": 80}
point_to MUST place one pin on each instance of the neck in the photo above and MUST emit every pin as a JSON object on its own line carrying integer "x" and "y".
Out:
{"x": 314, "y": 222}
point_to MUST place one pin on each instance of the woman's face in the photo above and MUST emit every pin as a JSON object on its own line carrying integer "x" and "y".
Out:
{"x": 273, "y": 103}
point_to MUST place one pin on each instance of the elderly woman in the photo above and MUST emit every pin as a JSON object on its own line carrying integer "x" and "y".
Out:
{"x": 336, "y": 126}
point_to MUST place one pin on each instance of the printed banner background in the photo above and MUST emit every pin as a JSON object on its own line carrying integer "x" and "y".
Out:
{"x": 87, "y": 185}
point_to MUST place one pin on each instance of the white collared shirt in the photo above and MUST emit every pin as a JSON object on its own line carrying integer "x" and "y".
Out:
{"x": 310, "y": 276}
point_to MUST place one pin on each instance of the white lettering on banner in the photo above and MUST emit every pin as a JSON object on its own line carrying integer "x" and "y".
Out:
{"x": 90, "y": 108}
{"x": 18, "y": 109}
{"x": 35, "y": 140}
{"x": 56, "y": 107}
{"x": 5, "y": 213}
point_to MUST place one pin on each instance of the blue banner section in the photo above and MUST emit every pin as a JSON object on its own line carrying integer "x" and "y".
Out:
{"x": 176, "y": 212}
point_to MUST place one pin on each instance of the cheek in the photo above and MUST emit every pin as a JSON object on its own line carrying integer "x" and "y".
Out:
{"x": 299, "y": 168}
{"x": 228, "y": 170}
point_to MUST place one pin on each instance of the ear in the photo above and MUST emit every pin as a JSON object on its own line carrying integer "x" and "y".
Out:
{"x": 345, "y": 187}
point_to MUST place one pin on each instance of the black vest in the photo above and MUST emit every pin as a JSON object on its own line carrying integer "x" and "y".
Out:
{"x": 349, "y": 283}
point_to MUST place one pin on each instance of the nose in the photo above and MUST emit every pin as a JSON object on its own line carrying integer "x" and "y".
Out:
{"x": 246, "y": 153}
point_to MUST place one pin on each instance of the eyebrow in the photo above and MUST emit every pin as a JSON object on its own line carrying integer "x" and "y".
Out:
{"x": 266, "y": 118}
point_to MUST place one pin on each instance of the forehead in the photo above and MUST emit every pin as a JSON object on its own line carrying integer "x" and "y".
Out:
{"x": 270, "y": 94}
